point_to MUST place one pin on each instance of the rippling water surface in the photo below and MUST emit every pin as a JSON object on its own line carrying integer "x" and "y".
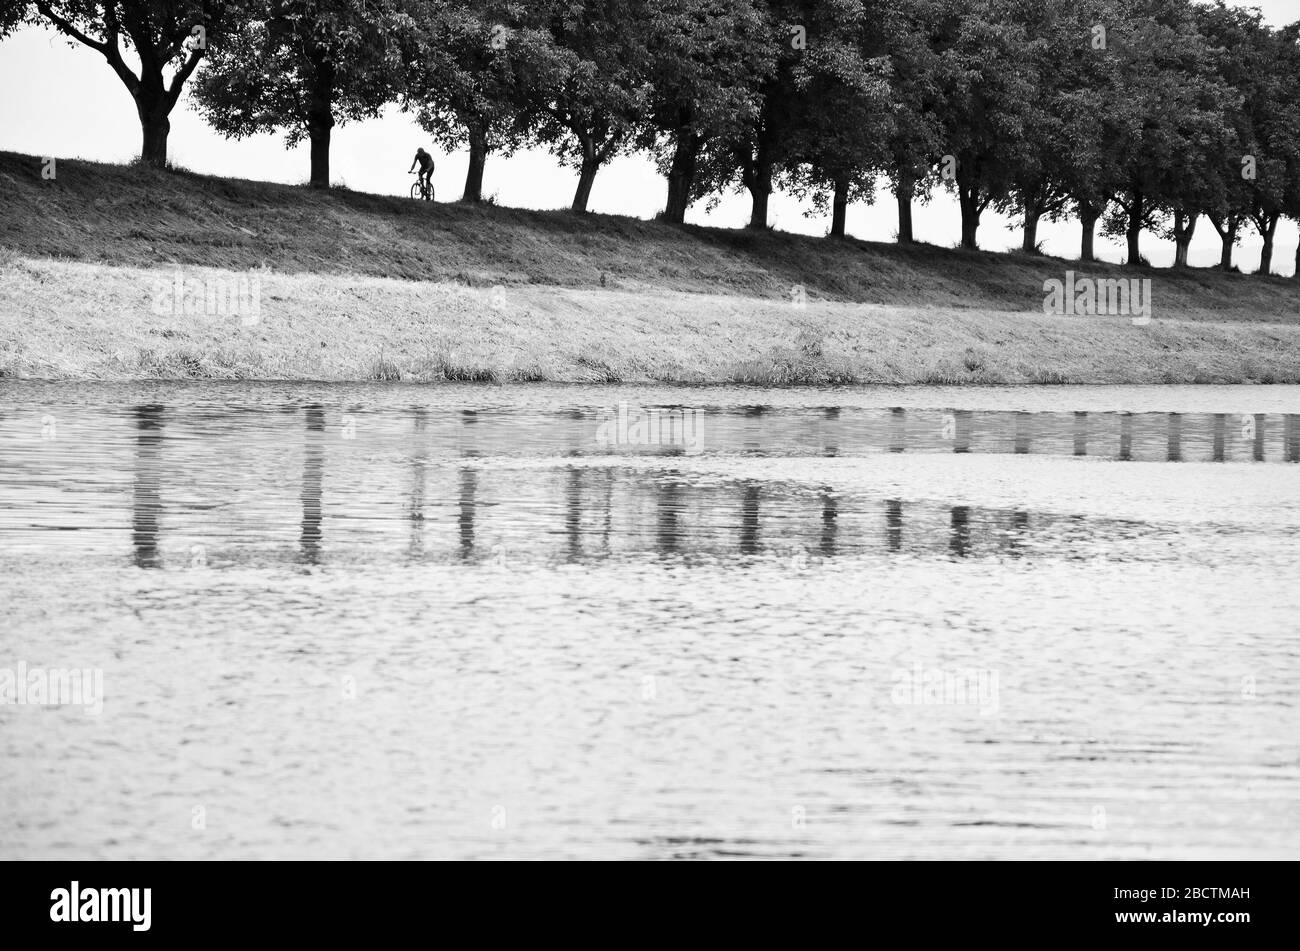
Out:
{"x": 463, "y": 622}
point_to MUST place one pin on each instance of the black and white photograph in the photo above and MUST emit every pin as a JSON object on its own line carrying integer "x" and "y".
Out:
{"x": 638, "y": 430}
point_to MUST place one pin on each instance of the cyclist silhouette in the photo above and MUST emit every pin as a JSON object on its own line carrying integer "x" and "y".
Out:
{"x": 425, "y": 161}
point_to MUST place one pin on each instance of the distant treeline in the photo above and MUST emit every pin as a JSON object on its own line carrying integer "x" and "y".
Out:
{"x": 1135, "y": 115}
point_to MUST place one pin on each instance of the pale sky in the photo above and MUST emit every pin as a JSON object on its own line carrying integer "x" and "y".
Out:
{"x": 62, "y": 100}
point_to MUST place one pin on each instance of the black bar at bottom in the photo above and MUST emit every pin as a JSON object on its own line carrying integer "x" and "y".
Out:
{"x": 377, "y": 901}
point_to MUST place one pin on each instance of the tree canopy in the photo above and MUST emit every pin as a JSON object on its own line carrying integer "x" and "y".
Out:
{"x": 1137, "y": 115}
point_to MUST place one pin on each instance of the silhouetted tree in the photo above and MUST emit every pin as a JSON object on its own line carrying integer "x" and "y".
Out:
{"x": 169, "y": 37}
{"x": 841, "y": 129}
{"x": 303, "y": 66}
{"x": 587, "y": 91}
{"x": 707, "y": 60}
{"x": 465, "y": 85}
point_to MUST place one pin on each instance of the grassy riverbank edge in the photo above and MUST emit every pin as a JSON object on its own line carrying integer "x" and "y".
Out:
{"x": 356, "y": 287}
{"x": 70, "y": 320}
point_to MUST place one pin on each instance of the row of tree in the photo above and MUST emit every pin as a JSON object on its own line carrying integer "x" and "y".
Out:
{"x": 1133, "y": 115}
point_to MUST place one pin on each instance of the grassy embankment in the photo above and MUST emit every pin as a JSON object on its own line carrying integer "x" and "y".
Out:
{"x": 357, "y": 287}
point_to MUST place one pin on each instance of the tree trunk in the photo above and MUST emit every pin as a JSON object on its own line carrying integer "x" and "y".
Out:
{"x": 904, "y": 191}
{"x": 1088, "y": 216}
{"x": 320, "y": 154}
{"x": 758, "y": 213}
{"x": 968, "y": 197}
{"x": 681, "y": 177}
{"x": 320, "y": 118}
{"x": 151, "y": 105}
{"x": 586, "y": 177}
{"x": 839, "y": 206}
{"x": 153, "y": 146}
{"x": 1030, "y": 245}
{"x": 969, "y": 229}
{"x": 1133, "y": 233}
{"x": 1228, "y": 235}
{"x": 154, "y": 98}
{"x": 1296, "y": 275}
{"x": 760, "y": 188}
{"x": 478, "y": 152}
{"x": 1266, "y": 256}
{"x": 1184, "y": 229}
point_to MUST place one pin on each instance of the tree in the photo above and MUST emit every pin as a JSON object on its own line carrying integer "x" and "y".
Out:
{"x": 168, "y": 36}
{"x": 1276, "y": 119}
{"x": 751, "y": 154}
{"x": 1197, "y": 183}
{"x": 1289, "y": 47}
{"x": 303, "y": 66}
{"x": 1173, "y": 107}
{"x": 12, "y": 14}
{"x": 805, "y": 45}
{"x": 1293, "y": 205}
{"x": 1096, "y": 115}
{"x": 464, "y": 79}
{"x": 988, "y": 108}
{"x": 1290, "y": 44}
{"x": 1197, "y": 189}
{"x": 839, "y": 131}
{"x": 1067, "y": 162}
{"x": 1233, "y": 37}
{"x": 703, "y": 75}
{"x": 586, "y": 89}
{"x": 917, "y": 35}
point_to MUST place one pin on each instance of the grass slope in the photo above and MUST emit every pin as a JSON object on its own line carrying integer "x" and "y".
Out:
{"x": 361, "y": 286}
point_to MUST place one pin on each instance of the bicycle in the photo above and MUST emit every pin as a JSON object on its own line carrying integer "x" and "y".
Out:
{"x": 419, "y": 190}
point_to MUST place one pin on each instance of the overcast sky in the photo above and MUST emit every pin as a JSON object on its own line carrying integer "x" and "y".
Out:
{"x": 63, "y": 100}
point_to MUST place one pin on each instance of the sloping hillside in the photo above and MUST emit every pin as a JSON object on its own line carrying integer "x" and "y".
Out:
{"x": 359, "y": 287}
{"x": 129, "y": 215}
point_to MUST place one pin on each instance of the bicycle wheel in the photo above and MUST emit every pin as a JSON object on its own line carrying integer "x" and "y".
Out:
{"x": 415, "y": 190}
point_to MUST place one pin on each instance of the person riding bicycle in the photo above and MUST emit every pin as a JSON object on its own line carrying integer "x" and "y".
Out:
{"x": 425, "y": 161}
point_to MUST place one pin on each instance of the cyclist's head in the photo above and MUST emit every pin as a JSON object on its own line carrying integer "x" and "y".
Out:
{"x": 420, "y": 151}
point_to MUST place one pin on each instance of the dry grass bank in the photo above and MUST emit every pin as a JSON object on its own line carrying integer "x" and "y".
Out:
{"x": 75, "y": 320}
{"x": 362, "y": 287}
{"x": 127, "y": 215}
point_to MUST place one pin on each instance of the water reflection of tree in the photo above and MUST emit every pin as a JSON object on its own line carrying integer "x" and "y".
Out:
{"x": 1019, "y": 531}
{"x": 897, "y": 429}
{"x": 830, "y": 442}
{"x": 313, "y": 475}
{"x": 468, "y": 494}
{"x": 963, "y": 428}
{"x": 830, "y": 523}
{"x": 419, "y": 483}
{"x": 667, "y": 535}
{"x": 573, "y": 504}
{"x": 1174, "y": 448}
{"x": 468, "y": 500}
{"x": 1126, "y": 437}
{"x": 146, "y": 504}
{"x": 749, "y": 520}
{"x": 894, "y": 525}
{"x": 959, "y": 542}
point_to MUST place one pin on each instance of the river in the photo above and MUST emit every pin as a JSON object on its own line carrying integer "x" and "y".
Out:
{"x": 394, "y": 621}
